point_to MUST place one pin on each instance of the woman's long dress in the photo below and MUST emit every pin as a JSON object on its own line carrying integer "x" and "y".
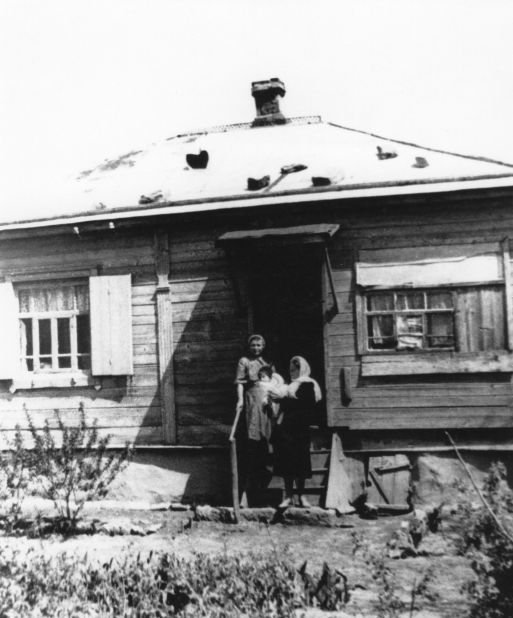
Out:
{"x": 292, "y": 436}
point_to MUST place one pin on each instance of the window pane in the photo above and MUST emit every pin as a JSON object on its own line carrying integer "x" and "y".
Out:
{"x": 82, "y": 297}
{"x": 63, "y": 335}
{"x": 24, "y": 300}
{"x": 62, "y": 299}
{"x": 84, "y": 362}
{"x": 409, "y": 332}
{"x": 64, "y": 362}
{"x": 380, "y": 302}
{"x": 440, "y": 330}
{"x": 408, "y": 324}
{"x": 381, "y": 332}
{"x": 45, "y": 362}
{"x": 83, "y": 336}
{"x": 439, "y": 300}
{"x": 40, "y": 300}
{"x": 45, "y": 337}
{"x": 410, "y": 300}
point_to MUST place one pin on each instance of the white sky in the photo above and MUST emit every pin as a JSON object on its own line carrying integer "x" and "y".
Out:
{"x": 84, "y": 80}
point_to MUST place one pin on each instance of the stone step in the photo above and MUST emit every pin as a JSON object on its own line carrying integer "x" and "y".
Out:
{"x": 292, "y": 516}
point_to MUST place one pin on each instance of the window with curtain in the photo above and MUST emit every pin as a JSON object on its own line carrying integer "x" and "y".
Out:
{"x": 54, "y": 327}
{"x": 467, "y": 319}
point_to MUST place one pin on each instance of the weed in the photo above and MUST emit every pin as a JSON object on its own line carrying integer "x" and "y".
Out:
{"x": 389, "y": 603}
{"x": 158, "y": 585}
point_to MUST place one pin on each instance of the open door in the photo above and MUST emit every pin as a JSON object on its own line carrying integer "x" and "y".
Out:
{"x": 286, "y": 306}
{"x": 282, "y": 270}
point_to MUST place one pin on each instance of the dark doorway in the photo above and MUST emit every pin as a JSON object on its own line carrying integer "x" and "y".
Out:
{"x": 286, "y": 307}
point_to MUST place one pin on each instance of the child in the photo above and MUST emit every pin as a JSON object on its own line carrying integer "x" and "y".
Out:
{"x": 275, "y": 389}
{"x": 261, "y": 403}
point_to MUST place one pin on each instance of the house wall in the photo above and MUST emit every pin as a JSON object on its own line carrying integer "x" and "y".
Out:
{"x": 209, "y": 333}
{"x": 210, "y": 327}
{"x": 390, "y": 411}
{"x": 127, "y": 408}
{"x": 385, "y": 412}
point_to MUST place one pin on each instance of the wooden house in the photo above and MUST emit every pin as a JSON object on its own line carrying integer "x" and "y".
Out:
{"x": 387, "y": 265}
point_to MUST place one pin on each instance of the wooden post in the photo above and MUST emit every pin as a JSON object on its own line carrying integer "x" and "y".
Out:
{"x": 235, "y": 480}
{"x": 165, "y": 338}
{"x": 234, "y": 468}
{"x": 508, "y": 291}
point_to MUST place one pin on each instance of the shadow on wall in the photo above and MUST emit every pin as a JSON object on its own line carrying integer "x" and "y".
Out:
{"x": 209, "y": 331}
{"x": 187, "y": 476}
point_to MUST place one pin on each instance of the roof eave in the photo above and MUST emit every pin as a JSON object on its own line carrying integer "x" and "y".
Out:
{"x": 323, "y": 194}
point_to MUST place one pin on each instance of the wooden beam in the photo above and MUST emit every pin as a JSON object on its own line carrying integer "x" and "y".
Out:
{"x": 165, "y": 338}
{"x": 508, "y": 292}
{"x": 330, "y": 277}
{"x": 411, "y": 364}
{"x": 347, "y": 391}
{"x": 326, "y": 344}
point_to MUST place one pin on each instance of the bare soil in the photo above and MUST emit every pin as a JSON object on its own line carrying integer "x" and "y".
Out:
{"x": 179, "y": 533}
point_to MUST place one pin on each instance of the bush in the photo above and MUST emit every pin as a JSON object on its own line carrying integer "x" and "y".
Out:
{"x": 490, "y": 550}
{"x": 76, "y": 471}
{"x": 14, "y": 479}
{"x": 158, "y": 586}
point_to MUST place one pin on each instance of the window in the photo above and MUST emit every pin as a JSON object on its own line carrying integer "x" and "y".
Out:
{"x": 54, "y": 327}
{"x": 410, "y": 320}
{"x": 434, "y": 309}
{"x": 466, "y": 319}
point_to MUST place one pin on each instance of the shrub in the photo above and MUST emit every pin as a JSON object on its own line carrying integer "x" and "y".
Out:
{"x": 159, "y": 585}
{"x": 80, "y": 469}
{"x": 14, "y": 479}
{"x": 490, "y": 550}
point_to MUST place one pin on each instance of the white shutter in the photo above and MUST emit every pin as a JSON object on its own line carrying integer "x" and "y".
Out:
{"x": 111, "y": 325}
{"x": 9, "y": 333}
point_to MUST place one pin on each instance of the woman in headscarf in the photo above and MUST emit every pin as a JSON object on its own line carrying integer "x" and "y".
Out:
{"x": 256, "y": 382}
{"x": 292, "y": 437}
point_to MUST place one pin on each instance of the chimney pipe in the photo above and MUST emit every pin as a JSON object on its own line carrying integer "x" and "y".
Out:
{"x": 266, "y": 94}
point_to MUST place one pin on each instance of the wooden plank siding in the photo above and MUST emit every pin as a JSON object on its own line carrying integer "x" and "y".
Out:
{"x": 126, "y": 408}
{"x": 210, "y": 326}
{"x": 209, "y": 334}
{"x": 424, "y": 402}
{"x": 210, "y": 331}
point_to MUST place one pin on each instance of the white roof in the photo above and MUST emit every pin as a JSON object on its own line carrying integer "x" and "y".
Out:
{"x": 349, "y": 158}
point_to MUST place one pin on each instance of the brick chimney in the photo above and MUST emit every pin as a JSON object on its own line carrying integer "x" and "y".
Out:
{"x": 266, "y": 94}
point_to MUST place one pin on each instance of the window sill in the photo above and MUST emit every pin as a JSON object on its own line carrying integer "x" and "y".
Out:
{"x": 413, "y": 363}
{"x": 52, "y": 380}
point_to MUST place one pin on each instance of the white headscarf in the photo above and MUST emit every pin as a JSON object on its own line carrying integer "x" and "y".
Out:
{"x": 304, "y": 376}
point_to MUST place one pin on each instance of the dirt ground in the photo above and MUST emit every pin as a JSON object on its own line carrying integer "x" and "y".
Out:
{"x": 179, "y": 533}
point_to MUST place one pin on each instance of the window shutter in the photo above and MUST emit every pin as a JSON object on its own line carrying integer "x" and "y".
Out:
{"x": 111, "y": 325}
{"x": 9, "y": 333}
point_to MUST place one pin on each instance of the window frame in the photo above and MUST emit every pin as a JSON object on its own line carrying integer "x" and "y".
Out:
{"x": 364, "y": 314}
{"x": 392, "y": 362}
{"x": 39, "y": 376}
